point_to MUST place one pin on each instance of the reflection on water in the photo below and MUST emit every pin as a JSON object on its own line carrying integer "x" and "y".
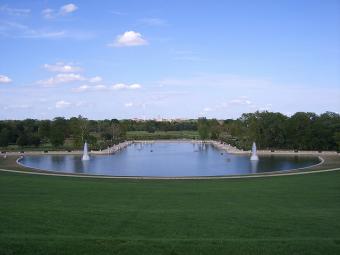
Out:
{"x": 254, "y": 164}
{"x": 168, "y": 159}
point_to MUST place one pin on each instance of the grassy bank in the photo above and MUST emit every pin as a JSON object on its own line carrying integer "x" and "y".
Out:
{"x": 280, "y": 215}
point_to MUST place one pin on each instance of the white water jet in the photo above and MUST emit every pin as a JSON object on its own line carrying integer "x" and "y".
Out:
{"x": 253, "y": 153}
{"x": 85, "y": 153}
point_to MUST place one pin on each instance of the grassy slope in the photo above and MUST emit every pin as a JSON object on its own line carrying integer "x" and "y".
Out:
{"x": 279, "y": 215}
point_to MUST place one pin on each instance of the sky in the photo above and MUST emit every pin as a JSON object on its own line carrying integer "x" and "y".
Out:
{"x": 168, "y": 59}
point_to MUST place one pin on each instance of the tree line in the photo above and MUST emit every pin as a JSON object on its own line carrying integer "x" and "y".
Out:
{"x": 273, "y": 130}
{"x": 270, "y": 130}
{"x": 72, "y": 133}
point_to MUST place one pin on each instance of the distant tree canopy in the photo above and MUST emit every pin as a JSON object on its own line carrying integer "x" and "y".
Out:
{"x": 270, "y": 130}
{"x": 76, "y": 130}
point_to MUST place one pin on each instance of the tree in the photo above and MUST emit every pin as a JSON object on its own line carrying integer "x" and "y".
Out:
{"x": 22, "y": 140}
{"x": 58, "y": 132}
{"x": 337, "y": 140}
{"x": 57, "y": 137}
{"x": 34, "y": 139}
{"x": 214, "y": 129}
{"x": 115, "y": 129}
{"x": 203, "y": 128}
{"x": 299, "y": 130}
{"x": 44, "y": 129}
{"x": 151, "y": 126}
{"x": 4, "y": 137}
{"x": 79, "y": 129}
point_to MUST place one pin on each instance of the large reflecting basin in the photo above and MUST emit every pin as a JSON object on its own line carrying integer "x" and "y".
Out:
{"x": 168, "y": 159}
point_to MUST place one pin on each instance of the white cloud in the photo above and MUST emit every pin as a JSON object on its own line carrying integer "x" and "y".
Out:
{"x": 63, "y": 10}
{"x": 119, "y": 86}
{"x": 62, "y": 104}
{"x": 96, "y": 79}
{"x": 5, "y": 79}
{"x": 68, "y": 8}
{"x": 61, "y": 78}
{"x": 82, "y": 88}
{"x": 86, "y": 87}
{"x": 130, "y": 104}
{"x": 67, "y": 73}
{"x": 267, "y": 107}
{"x": 240, "y": 101}
{"x": 15, "y": 11}
{"x": 99, "y": 87}
{"x": 128, "y": 39}
{"x": 48, "y": 13}
{"x": 134, "y": 86}
{"x": 62, "y": 68}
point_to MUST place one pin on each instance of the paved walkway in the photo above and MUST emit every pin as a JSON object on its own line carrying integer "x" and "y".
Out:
{"x": 173, "y": 178}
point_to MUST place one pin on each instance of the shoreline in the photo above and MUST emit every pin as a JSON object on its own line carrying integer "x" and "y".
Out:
{"x": 298, "y": 171}
{"x": 328, "y": 162}
{"x": 221, "y": 146}
{"x": 262, "y": 174}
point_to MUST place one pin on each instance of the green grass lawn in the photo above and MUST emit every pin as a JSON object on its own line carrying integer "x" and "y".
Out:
{"x": 140, "y": 135}
{"x": 64, "y": 215}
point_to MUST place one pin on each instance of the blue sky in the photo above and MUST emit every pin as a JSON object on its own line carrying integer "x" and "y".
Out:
{"x": 168, "y": 59}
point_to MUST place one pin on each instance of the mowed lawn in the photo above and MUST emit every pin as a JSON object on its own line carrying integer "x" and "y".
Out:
{"x": 65, "y": 215}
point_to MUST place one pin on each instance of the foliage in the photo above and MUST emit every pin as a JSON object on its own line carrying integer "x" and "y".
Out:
{"x": 4, "y": 137}
{"x": 270, "y": 130}
{"x": 203, "y": 128}
{"x": 301, "y": 131}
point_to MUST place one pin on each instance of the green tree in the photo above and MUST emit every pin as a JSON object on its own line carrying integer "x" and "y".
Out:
{"x": 203, "y": 128}
{"x": 79, "y": 129}
{"x": 57, "y": 137}
{"x": 34, "y": 139}
{"x": 4, "y": 137}
{"x": 59, "y": 131}
{"x": 299, "y": 130}
{"x": 337, "y": 140}
{"x": 44, "y": 129}
{"x": 22, "y": 140}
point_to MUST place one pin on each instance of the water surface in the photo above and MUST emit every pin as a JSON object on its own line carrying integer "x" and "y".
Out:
{"x": 168, "y": 159}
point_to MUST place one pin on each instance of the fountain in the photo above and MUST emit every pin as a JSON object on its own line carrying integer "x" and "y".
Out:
{"x": 85, "y": 153}
{"x": 253, "y": 153}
